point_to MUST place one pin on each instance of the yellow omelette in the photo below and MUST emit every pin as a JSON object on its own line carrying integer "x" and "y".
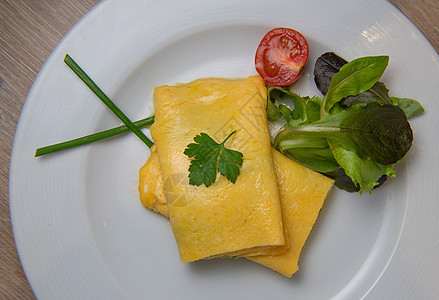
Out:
{"x": 302, "y": 194}
{"x": 225, "y": 218}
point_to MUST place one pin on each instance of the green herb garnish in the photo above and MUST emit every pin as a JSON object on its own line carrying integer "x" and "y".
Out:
{"x": 95, "y": 89}
{"x": 92, "y": 137}
{"x": 209, "y": 158}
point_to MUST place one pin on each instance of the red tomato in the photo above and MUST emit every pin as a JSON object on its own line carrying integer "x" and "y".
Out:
{"x": 281, "y": 56}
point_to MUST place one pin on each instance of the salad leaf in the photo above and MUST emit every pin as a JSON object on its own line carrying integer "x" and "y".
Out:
{"x": 379, "y": 132}
{"x": 311, "y": 151}
{"x": 313, "y": 108}
{"x": 330, "y": 63}
{"x": 273, "y": 112}
{"x": 377, "y": 93}
{"x": 362, "y": 139}
{"x": 356, "y": 132}
{"x": 318, "y": 159}
{"x": 410, "y": 107}
{"x": 304, "y": 109}
{"x": 344, "y": 182}
{"x": 364, "y": 173}
{"x": 211, "y": 158}
{"x": 354, "y": 78}
{"x": 293, "y": 117}
{"x": 325, "y": 67}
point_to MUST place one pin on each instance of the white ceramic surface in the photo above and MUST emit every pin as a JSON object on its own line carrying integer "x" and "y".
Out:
{"x": 79, "y": 227}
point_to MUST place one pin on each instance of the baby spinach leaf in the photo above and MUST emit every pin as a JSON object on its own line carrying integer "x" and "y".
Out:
{"x": 378, "y": 132}
{"x": 377, "y": 93}
{"x": 354, "y": 78}
{"x": 329, "y": 64}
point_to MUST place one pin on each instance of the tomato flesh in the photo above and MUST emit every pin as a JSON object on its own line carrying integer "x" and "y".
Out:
{"x": 281, "y": 56}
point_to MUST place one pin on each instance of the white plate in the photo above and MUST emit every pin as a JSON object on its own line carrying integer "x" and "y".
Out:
{"x": 80, "y": 229}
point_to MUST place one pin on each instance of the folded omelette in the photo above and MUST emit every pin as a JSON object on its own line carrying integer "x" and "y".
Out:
{"x": 225, "y": 218}
{"x": 302, "y": 194}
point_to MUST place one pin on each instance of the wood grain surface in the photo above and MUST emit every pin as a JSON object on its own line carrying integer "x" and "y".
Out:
{"x": 29, "y": 31}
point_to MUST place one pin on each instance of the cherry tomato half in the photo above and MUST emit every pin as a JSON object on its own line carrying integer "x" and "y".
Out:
{"x": 281, "y": 56}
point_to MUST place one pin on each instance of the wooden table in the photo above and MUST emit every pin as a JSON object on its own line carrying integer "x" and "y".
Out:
{"x": 29, "y": 31}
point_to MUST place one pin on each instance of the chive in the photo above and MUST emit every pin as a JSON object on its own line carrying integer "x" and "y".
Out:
{"x": 92, "y": 137}
{"x": 95, "y": 89}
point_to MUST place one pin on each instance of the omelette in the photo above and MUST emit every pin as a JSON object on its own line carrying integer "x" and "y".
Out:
{"x": 302, "y": 194}
{"x": 225, "y": 218}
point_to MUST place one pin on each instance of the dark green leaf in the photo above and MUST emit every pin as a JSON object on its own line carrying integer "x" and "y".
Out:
{"x": 229, "y": 163}
{"x": 209, "y": 158}
{"x": 378, "y": 93}
{"x": 378, "y": 132}
{"x": 203, "y": 146}
{"x": 203, "y": 170}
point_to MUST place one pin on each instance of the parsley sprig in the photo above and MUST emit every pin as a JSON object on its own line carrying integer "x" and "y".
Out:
{"x": 211, "y": 158}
